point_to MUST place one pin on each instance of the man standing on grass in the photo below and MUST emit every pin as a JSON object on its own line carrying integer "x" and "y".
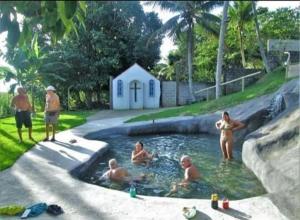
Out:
{"x": 23, "y": 109}
{"x": 52, "y": 109}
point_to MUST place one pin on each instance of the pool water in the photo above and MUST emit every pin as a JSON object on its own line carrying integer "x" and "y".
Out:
{"x": 230, "y": 179}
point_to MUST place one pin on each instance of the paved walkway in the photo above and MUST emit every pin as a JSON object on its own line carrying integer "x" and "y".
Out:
{"x": 42, "y": 175}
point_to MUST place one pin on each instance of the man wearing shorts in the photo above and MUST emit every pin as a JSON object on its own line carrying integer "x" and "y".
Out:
{"x": 52, "y": 109}
{"x": 22, "y": 108}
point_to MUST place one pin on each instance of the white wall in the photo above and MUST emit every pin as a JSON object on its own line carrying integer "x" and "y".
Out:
{"x": 135, "y": 72}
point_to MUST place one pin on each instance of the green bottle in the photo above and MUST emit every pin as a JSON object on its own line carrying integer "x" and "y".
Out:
{"x": 132, "y": 191}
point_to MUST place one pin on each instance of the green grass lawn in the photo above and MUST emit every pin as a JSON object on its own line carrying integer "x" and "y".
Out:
{"x": 267, "y": 84}
{"x": 11, "y": 150}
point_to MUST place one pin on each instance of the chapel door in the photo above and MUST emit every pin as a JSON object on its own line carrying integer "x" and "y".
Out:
{"x": 136, "y": 95}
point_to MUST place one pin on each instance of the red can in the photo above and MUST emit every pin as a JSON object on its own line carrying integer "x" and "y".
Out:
{"x": 225, "y": 204}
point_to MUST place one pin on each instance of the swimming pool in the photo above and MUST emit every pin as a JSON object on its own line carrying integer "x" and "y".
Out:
{"x": 229, "y": 179}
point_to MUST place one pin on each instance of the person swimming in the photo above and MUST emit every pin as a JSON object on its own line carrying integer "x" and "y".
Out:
{"x": 139, "y": 155}
{"x": 191, "y": 175}
{"x": 119, "y": 174}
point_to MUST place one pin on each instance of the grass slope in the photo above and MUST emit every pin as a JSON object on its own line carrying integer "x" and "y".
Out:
{"x": 11, "y": 150}
{"x": 267, "y": 84}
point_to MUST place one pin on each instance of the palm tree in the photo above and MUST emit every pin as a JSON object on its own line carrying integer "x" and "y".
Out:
{"x": 261, "y": 48}
{"x": 240, "y": 13}
{"x": 187, "y": 14}
{"x": 220, "y": 49}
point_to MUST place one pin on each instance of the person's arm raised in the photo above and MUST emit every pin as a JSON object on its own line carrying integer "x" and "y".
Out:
{"x": 218, "y": 124}
{"x": 134, "y": 156}
{"x": 238, "y": 125}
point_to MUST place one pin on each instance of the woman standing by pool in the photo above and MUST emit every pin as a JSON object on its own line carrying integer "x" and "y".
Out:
{"x": 227, "y": 126}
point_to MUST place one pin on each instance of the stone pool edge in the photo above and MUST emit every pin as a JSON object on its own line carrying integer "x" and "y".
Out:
{"x": 205, "y": 124}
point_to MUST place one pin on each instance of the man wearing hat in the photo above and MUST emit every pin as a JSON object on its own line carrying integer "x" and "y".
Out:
{"x": 52, "y": 109}
{"x": 22, "y": 108}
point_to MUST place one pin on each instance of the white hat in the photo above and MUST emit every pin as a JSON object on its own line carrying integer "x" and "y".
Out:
{"x": 50, "y": 88}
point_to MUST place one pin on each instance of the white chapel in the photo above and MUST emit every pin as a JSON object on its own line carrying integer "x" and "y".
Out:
{"x": 135, "y": 88}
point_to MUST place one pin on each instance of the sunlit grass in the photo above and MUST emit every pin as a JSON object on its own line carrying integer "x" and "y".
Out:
{"x": 269, "y": 83}
{"x": 11, "y": 150}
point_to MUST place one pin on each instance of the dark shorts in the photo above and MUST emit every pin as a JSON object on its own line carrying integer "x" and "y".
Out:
{"x": 23, "y": 117}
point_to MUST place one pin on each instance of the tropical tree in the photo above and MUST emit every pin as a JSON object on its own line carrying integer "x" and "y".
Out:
{"x": 55, "y": 18}
{"x": 114, "y": 37}
{"x": 241, "y": 13}
{"x": 220, "y": 49}
{"x": 26, "y": 61}
{"x": 187, "y": 14}
{"x": 260, "y": 44}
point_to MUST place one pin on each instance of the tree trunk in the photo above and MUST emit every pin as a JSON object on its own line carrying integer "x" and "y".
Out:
{"x": 261, "y": 47}
{"x": 88, "y": 99}
{"x": 176, "y": 68}
{"x": 221, "y": 50}
{"x": 242, "y": 47}
{"x": 32, "y": 99}
{"x": 190, "y": 62}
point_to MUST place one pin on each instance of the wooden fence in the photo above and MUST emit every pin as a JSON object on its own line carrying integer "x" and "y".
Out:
{"x": 226, "y": 83}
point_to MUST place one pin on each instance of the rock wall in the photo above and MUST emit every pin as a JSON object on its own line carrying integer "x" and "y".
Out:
{"x": 273, "y": 153}
{"x": 168, "y": 93}
{"x": 234, "y": 73}
{"x": 169, "y": 96}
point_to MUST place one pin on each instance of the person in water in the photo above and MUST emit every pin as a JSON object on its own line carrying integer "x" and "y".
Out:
{"x": 118, "y": 174}
{"x": 140, "y": 155}
{"x": 191, "y": 174}
{"x": 227, "y": 126}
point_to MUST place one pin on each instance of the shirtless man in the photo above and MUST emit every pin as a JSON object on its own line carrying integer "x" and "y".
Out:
{"x": 140, "y": 155}
{"x": 23, "y": 109}
{"x": 191, "y": 174}
{"x": 118, "y": 174}
{"x": 52, "y": 109}
{"x": 227, "y": 126}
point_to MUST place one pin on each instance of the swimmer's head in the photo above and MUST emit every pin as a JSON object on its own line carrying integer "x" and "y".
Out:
{"x": 112, "y": 163}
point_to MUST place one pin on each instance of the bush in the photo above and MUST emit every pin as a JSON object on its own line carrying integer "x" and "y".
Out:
{"x": 5, "y": 100}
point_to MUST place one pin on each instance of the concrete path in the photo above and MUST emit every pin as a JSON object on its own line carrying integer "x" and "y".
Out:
{"x": 42, "y": 175}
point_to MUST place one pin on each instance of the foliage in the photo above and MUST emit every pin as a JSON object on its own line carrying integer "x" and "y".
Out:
{"x": 239, "y": 14}
{"x": 11, "y": 150}
{"x": 205, "y": 57}
{"x": 188, "y": 13}
{"x": 112, "y": 37}
{"x": 269, "y": 83}
{"x": 115, "y": 37}
{"x": 5, "y": 99}
{"x": 55, "y": 18}
{"x": 283, "y": 23}
{"x": 271, "y": 28}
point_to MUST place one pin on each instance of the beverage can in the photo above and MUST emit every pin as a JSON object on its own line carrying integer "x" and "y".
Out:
{"x": 214, "y": 197}
{"x": 225, "y": 204}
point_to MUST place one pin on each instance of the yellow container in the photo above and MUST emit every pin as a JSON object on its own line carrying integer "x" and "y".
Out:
{"x": 214, "y": 197}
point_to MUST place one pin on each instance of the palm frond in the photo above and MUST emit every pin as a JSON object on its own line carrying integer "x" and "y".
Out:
{"x": 210, "y": 17}
{"x": 171, "y": 6}
{"x": 167, "y": 27}
{"x": 210, "y": 27}
{"x": 4, "y": 70}
{"x": 209, "y": 5}
{"x": 180, "y": 27}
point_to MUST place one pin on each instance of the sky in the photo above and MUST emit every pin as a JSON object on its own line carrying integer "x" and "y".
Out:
{"x": 167, "y": 44}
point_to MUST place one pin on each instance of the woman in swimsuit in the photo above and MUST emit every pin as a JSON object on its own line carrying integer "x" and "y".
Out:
{"x": 227, "y": 126}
